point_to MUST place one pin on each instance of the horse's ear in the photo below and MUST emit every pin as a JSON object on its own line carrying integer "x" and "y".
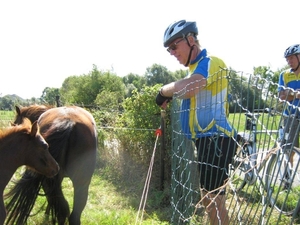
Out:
{"x": 35, "y": 129}
{"x": 18, "y": 110}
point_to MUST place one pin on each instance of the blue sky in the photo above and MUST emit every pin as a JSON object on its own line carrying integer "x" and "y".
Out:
{"x": 44, "y": 42}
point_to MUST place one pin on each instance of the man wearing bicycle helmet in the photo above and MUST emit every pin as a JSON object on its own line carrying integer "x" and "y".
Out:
{"x": 289, "y": 82}
{"x": 204, "y": 113}
{"x": 289, "y": 93}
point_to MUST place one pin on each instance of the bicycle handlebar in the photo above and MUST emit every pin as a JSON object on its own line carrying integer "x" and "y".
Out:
{"x": 257, "y": 111}
{"x": 274, "y": 112}
{"x": 265, "y": 110}
{"x": 271, "y": 112}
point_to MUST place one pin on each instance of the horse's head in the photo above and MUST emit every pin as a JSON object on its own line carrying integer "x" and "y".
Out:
{"x": 37, "y": 155}
{"x": 32, "y": 112}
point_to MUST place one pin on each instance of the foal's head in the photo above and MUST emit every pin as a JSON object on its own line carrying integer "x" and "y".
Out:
{"x": 29, "y": 148}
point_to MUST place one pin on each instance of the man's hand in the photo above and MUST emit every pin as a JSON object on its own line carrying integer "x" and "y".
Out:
{"x": 160, "y": 99}
{"x": 297, "y": 93}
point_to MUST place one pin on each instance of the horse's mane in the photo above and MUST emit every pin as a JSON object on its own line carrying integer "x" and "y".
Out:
{"x": 34, "y": 111}
{"x": 33, "y": 108}
{"x": 25, "y": 127}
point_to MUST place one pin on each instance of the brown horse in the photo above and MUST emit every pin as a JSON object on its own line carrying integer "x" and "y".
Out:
{"x": 23, "y": 145}
{"x": 72, "y": 137}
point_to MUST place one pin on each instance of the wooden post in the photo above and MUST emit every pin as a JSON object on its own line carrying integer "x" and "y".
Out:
{"x": 57, "y": 98}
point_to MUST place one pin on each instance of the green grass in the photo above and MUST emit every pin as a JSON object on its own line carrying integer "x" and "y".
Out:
{"x": 265, "y": 141}
{"x": 264, "y": 121}
{"x": 6, "y": 117}
{"x": 251, "y": 208}
{"x": 284, "y": 201}
{"x": 106, "y": 206}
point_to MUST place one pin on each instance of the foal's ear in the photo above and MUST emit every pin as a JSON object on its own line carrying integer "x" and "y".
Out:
{"x": 35, "y": 129}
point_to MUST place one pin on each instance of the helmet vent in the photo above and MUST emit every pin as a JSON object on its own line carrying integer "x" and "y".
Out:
{"x": 181, "y": 24}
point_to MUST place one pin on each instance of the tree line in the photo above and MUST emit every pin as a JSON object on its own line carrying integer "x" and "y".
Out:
{"x": 97, "y": 88}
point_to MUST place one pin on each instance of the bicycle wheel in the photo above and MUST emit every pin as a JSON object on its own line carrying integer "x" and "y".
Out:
{"x": 283, "y": 180}
{"x": 243, "y": 171}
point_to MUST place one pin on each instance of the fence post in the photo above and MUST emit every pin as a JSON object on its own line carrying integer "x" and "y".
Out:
{"x": 57, "y": 99}
{"x": 162, "y": 148}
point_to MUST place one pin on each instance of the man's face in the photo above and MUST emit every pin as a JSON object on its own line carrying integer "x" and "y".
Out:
{"x": 180, "y": 49}
{"x": 292, "y": 61}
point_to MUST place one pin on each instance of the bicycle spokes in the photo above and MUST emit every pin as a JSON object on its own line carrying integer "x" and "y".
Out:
{"x": 283, "y": 178}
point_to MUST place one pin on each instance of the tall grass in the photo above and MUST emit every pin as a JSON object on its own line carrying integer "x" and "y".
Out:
{"x": 6, "y": 117}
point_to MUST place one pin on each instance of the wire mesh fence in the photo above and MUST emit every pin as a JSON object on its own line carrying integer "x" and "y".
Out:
{"x": 262, "y": 184}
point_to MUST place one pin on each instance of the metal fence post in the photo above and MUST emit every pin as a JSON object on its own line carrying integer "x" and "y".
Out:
{"x": 162, "y": 148}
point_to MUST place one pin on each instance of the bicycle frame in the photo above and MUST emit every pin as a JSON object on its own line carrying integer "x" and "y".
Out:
{"x": 283, "y": 137}
{"x": 249, "y": 143}
{"x": 274, "y": 170}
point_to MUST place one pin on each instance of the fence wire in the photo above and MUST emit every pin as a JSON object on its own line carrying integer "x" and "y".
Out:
{"x": 256, "y": 190}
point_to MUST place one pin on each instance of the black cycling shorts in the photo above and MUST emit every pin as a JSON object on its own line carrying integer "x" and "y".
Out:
{"x": 214, "y": 156}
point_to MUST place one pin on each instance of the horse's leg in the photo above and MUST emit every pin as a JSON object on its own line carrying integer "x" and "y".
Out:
{"x": 58, "y": 207}
{"x": 80, "y": 200}
{"x": 81, "y": 165}
{"x": 80, "y": 173}
{"x": 2, "y": 211}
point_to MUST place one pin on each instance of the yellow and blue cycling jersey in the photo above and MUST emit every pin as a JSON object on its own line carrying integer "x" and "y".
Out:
{"x": 289, "y": 79}
{"x": 205, "y": 114}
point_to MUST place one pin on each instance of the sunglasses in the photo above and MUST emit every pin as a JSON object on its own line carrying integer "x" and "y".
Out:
{"x": 174, "y": 46}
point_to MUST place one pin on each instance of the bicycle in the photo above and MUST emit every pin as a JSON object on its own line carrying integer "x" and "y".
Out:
{"x": 278, "y": 178}
{"x": 283, "y": 175}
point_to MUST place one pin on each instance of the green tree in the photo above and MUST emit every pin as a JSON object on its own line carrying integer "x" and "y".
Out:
{"x": 49, "y": 95}
{"x": 6, "y": 103}
{"x": 108, "y": 100}
{"x": 134, "y": 79}
{"x": 243, "y": 94}
{"x": 132, "y": 82}
{"x": 140, "y": 111}
{"x": 85, "y": 88}
{"x": 69, "y": 89}
{"x": 179, "y": 74}
{"x": 140, "y": 119}
{"x": 158, "y": 74}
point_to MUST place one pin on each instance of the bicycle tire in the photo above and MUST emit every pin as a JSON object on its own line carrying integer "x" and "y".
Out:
{"x": 243, "y": 174}
{"x": 283, "y": 190}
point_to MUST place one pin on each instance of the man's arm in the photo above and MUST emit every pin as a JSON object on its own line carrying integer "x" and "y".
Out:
{"x": 185, "y": 88}
{"x": 288, "y": 95}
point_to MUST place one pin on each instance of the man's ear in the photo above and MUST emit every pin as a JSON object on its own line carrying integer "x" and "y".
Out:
{"x": 191, "y": 40}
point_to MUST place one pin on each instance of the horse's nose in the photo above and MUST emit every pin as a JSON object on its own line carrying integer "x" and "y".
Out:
{"x": 55, "y": 171}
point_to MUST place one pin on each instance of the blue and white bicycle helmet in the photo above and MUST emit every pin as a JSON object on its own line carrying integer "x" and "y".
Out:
{"x": 292, "y": 50}
{"x": 179, "y": 29}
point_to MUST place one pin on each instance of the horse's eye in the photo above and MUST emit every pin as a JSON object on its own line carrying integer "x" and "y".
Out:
{"x": 45, "y": 145}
